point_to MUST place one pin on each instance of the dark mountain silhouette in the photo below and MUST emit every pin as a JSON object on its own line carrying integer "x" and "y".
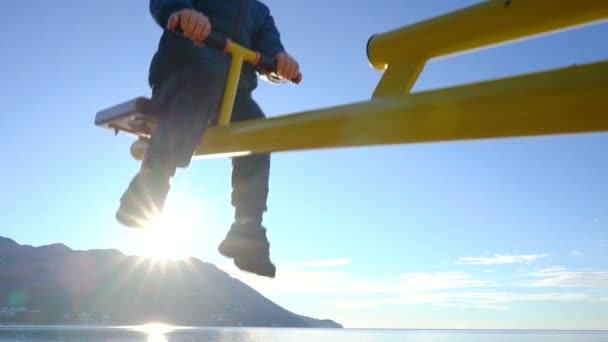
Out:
{"x": 57, "y": 285}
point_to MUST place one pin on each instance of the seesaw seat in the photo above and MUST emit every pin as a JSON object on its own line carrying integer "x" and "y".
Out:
{"x": 137, "y": 117}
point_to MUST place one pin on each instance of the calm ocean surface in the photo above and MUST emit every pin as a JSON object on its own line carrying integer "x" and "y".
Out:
{"x": 169, "y": 334}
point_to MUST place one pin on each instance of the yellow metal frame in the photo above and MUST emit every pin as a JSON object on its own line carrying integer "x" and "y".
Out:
{"x": 564, "y": 101}
{"x": 402, "y": 53}
{"x": 239, "y": 55}
{"x": 571, "y": 100}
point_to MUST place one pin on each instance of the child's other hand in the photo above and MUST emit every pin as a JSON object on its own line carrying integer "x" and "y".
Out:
{"x": 287, "y": 67}
{"x": 194, "y": 24}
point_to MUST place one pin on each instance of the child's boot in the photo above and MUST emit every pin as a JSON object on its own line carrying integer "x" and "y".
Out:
{"x": 144, "y": 199}
{"x": 247, "y": 244}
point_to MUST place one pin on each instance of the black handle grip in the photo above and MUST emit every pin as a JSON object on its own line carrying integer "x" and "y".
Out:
{"x": 219, "y": 41}
{"x": 216, "y": 41}
{"x": 269, "y": 64}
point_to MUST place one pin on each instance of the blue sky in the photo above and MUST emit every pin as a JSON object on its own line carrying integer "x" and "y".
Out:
{"x": 509, "y": 233}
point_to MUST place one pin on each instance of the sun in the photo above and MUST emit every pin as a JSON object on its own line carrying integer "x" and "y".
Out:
{"x": 168, "y": 235}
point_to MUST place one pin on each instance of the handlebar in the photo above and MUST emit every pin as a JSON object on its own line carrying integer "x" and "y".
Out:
{"x": 219, "y": 41}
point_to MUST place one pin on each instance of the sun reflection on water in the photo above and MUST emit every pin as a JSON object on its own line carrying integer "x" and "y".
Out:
{"x": 156, "y": 331}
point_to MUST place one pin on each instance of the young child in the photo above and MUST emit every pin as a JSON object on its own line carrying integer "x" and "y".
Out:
{"x": 188, "y": 80}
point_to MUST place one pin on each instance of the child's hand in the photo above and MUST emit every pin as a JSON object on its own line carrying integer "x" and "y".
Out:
{"x": 287, "y": 67}
{"x": 194, "y": 24}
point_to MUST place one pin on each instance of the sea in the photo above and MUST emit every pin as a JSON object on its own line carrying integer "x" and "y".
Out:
{"x": 160, "y": 333}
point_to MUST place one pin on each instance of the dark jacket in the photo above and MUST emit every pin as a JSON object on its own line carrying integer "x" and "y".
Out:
{"x": 247, "y": 22}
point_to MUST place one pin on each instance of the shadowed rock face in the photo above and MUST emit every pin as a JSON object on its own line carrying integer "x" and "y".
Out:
{"x": 58, "y": 285}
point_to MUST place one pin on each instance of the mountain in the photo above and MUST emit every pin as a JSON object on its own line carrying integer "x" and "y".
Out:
{"x": 57, "y": 285}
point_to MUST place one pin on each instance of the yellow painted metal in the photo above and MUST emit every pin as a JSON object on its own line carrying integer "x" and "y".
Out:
{"x": 236, "y": 65}
{"x": 570, "y": 100}
{"x": 248, "y": 55}
{"x": 239, "y": 55}
{"x": 402, "y": 53}
{"x": 488, "y": 23}
{"x": 399, "y": 78}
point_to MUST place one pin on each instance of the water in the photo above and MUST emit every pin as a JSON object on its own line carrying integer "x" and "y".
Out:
{"x": 175, "y": 334}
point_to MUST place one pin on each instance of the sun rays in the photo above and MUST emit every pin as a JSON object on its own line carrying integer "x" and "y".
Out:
{"x": 167, "y": 245}
{"x": 167, "y": 236}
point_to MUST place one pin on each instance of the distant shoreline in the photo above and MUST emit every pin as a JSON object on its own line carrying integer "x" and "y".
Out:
{"x": 177, "y": 327}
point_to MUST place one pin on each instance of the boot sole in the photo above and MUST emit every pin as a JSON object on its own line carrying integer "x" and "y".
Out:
{"x": 128, "y": 221}
{"x": 248, "y": 262}
{"x": 227, "y": 250}
{"x": 266, "y": 269}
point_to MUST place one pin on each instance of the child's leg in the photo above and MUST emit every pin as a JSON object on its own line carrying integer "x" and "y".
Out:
{"x": 187, "y": 100}
{"x": 246, "y": 241}
{"x": 250, "y": 174}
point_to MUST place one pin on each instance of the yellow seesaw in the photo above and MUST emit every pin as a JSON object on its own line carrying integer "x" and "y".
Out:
{"x": 562, "y": 101}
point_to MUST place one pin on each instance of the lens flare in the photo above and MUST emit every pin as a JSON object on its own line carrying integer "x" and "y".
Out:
{"x": 168, "y": 234}
{"x": 156, "y": 332}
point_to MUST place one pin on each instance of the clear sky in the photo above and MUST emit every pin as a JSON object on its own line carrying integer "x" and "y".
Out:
{"x": 509, "y": 233}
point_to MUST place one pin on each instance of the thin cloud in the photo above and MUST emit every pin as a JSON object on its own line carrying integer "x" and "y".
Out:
{"x": 293, "y": 281}
{"x": 310, "y": 277}
{"x": 494, "y": 307}
{"x": 576, "y": 253}
{"x": 441, "y": 281}
{"x": 499, "y": 259}
{"x": 561, "y": 277}
{"x": 473, "y": 300}
{"x": 290, "y": 279}
{"x": 458, "y": 289}
{"x": 320, "y": 263}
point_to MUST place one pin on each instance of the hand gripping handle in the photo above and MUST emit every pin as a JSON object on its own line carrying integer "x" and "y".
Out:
{"x": 218, "y": 41}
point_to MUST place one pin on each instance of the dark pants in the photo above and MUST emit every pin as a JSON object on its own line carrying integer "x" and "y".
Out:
{"x": 189, "y": 100}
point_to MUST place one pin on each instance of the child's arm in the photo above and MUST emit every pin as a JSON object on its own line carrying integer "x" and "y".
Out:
{"x": 161, "y": 10}
{"x": 171, "y": 13}
{"x": 268, "y": 38}
{"x": 268, "y": 42}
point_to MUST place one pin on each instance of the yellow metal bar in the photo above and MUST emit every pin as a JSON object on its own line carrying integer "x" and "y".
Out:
{"x": 399, "y": 78}
{"x": 570, "y": 100}
{"x": 488, "y": 23}
{"x": 236, "y": 65}
{"x": 239, "y": 55}
{"x": 248, "y": 55}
